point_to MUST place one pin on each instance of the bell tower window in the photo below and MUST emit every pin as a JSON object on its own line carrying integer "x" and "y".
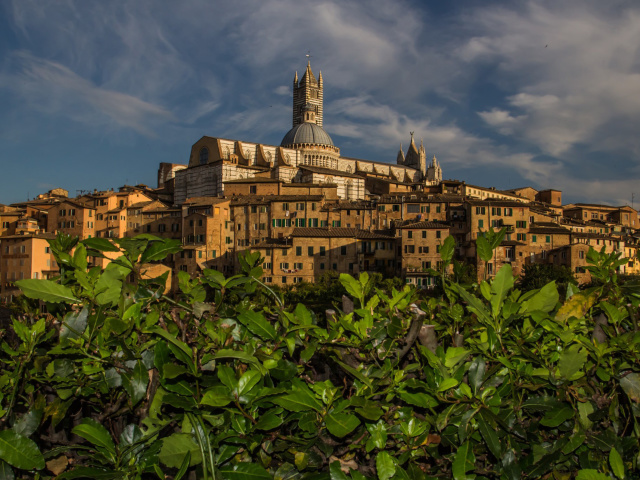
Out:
{"x": 204, "y": 156}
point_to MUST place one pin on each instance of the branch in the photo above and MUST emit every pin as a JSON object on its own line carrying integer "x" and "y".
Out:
{"x": 414, "y": 329}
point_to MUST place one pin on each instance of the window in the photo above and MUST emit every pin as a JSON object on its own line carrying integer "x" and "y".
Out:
{"x": 395, "y": 208}
{"x": 381, "y": 208}
{"x": 343, "y": 250}
{"x": 438, "y": 208}
{"x": 297, "y": 280}
{"x": 204, "y": 155}
{"x": 496, "y": 211}
{"x": 438, "y": 233}
{"x": 521, "y": 236}
{"x": 267, "y": 279}
{"x": 423, "y": 249}
{"x": 424, "y": 234}
{"x": 298, "y": 251}
{"x": 411, "y": 208}
{"x": 297, "y": 266}
{"x": 548, "y": 239}
{"x": 334, "y": 266}
{"x": 335, "y": 223}
{"x": 284, "y": 266}
{"x": 285, "y": 206}
{"x": 313, "y": 222}
{"x": 322, "y": 251}
{"x": 534, "y": 238}
{"x": 480, "y": 211}
{"x": 90, "y": 213}
{"x": 310, "y": 251}
{"x": 410, "y": 234}
{"x": 213, "y": 254}
{"x": 409, "y": 249}
{"x": 581, "y": 255}
{"x": 521, "y": 224}
{"x": 199, "y": 253}
{"x": 299, "y": 206}
{"x": 253, "y": 189}
{"x": 313, "y": 206}
{"x": 46, "y": 249}
{"x": 426, "y": 209}
{"x": 284, "y": 252}
{"x": 480, "y": 223}
{"x": 254, "y": 209}
{"x": 508, "y": 212}
{"x": 266, "y": 265}
{"x": 322, "y": 266}
{"x": 437, "y": 248}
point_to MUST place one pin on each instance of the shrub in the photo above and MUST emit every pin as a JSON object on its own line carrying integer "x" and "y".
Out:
{"x": 483, "y": 382}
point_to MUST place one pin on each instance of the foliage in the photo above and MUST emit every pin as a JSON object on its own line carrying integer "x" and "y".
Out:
{"x": 537, "y": 275}
{"x": 485, "y": 382}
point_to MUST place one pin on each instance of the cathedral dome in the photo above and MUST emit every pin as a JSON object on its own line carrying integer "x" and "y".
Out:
{"x": 306, "y": 133}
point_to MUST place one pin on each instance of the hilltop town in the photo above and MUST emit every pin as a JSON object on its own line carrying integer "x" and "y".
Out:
{"x": 309, "y": 210}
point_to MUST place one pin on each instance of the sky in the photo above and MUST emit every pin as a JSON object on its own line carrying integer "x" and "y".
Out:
{"x": 96, "y": 94}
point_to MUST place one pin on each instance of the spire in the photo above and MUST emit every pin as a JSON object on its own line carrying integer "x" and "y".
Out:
{"x": 320, "y": 78}
{"x": 295, "y": 79}
{"x": 400, "y": 157}
{"x": 421, "y": 145}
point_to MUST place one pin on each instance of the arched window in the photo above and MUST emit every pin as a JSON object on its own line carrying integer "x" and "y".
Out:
{"x": 204, "y": 156}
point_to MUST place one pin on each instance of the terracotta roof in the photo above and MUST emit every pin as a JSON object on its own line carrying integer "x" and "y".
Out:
{"x": 140, "y": 204}
{"x": 498, "y": 203}
{"x": 274, "y": 243}
{"x": 265, "y": 199}
{"x": 424, "y": 225}
{"x": 338, "y": 232}
{"x": 195, "y": 201}
{"x": 419, "y": 197}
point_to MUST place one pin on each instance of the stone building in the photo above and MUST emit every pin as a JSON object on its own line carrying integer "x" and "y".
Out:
{"x": 306, "y": 154}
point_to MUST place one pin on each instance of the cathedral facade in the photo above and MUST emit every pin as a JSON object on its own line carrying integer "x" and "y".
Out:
{"x": 306, "y": 154}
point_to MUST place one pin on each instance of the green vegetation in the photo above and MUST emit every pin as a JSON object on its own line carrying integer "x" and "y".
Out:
{"x": 231, "y": 382}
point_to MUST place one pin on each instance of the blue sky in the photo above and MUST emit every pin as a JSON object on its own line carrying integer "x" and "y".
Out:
{"x": 95, "y": 94}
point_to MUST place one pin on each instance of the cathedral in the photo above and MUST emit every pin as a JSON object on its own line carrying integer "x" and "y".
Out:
{"x": 306, "y": 155}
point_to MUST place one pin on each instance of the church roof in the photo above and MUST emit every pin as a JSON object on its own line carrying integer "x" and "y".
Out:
{"x": 307, "y": 133}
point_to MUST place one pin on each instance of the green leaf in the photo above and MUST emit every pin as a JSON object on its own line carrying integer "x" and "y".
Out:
{"x": 477, "y": 369}
{"x": 159, "y": 250}
{"x": 244, "y": 471}
{"x": 556, "y": 416}
{"x": 418, "y": 399}
{"x": 617, "y": 465}
{"x": 216, "y": 396}
{"x": 6, "y": 472}
{"x": 74, "y": 325}
{"x": 268, "y": 421}
{"x": 446, "y": 249}
{"x": 175, "y": 448}
{"x": 96, "y": 434}
{"x": 240, "y": 355}
{"x": 46, "y": 290}
{"x": 571, "y": 361}
{"x": 351, "y": 285}
{"x": 385, "y": 466}
{"x": 341, "y": 424}
{"x": 135, "y": 382}
{"x": 28, "y": 423}
{"x": 544, "y": 300}
{"x": 19, "y": 451}
{"x": 631, "y": 386}
{"x": 100, "y": 244}
{"x": 463, "y": 461}
{"x": 90, "y": 472}
{"x": 257, "y": 324}
{"x": 541, "y": 403}
{"x": 490, "y": 436}
{"x": 591, "y": 474}
{"x": 577, "y": 306}
{"x": 336, "y": 472}
{"x": 247, "y": 381}
{"x": 485, "y": 251}
{"x": 299, "y": 401}
{"x": 500, "y": 286}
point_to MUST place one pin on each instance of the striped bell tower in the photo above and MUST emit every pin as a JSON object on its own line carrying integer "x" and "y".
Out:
{"x": 307, "y": 91}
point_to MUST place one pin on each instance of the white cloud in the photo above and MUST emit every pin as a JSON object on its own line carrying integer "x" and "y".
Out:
{"x": 54, "y": 89}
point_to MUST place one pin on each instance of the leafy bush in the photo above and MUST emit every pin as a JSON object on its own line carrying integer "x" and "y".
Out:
{"x": 119, "y": 381}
